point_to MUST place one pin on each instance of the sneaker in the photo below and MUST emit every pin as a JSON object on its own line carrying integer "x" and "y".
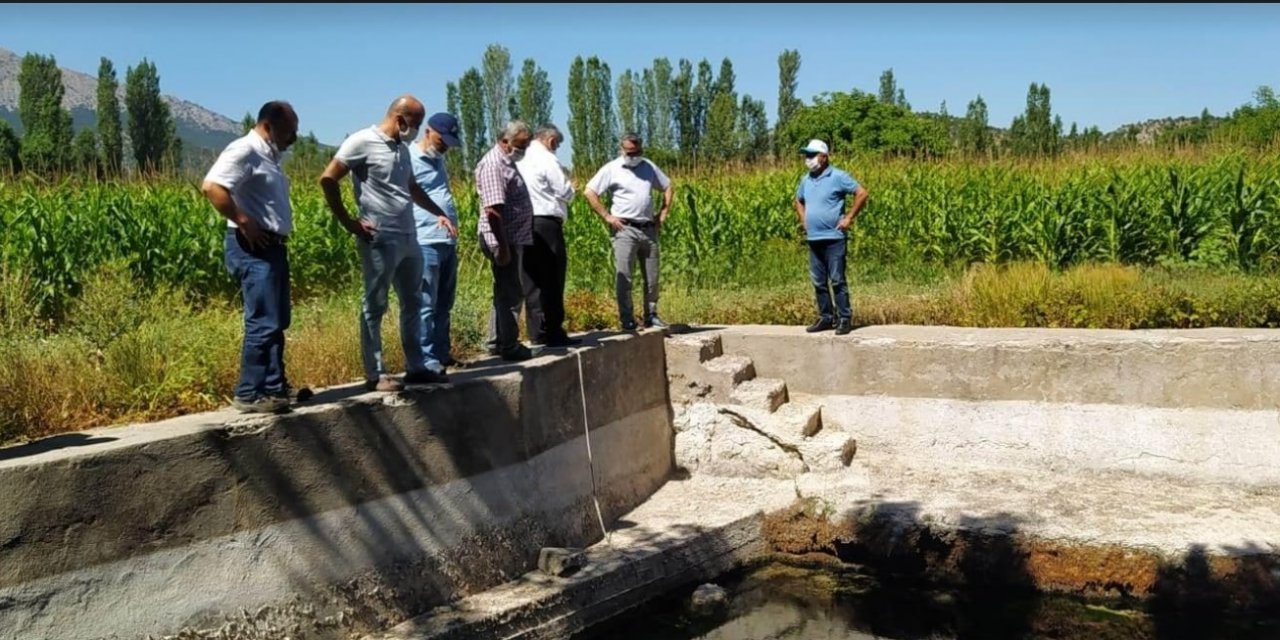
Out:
{"x": 385, "y": 383}
{"x": 264, "y": 404}
{"x": 426, "y": 376}
{"x": 822, "y": 324}
{"x": 844, "y": 327}
{"x": 517, "y": 354}
{"x": 450, "y": 362}
{"x": 628, "y": 325}
{"x": 655, "y": 322}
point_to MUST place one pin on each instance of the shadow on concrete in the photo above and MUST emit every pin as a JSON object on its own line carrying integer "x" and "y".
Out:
{"x": 52, "y": 443}
{"x": 1237, "y": 596}
{"x": 900, "y": 579}
{"x": 430, "y": 519}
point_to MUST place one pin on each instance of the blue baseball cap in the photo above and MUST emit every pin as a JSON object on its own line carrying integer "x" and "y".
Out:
{"x": 447, "y": 126}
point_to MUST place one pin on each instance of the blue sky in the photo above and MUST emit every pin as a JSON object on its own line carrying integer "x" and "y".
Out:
{"x": 340, "y": 65}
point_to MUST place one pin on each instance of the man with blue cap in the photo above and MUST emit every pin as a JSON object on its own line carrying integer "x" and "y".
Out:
{"x": 438, "y": 238}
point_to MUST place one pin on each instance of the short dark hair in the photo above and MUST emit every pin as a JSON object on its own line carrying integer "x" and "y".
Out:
{"x": 275, "y": 113}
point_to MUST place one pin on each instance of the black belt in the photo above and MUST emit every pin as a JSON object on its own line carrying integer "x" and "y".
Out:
{"x": 639, "y": 224}
{"x": 272, "y": 238}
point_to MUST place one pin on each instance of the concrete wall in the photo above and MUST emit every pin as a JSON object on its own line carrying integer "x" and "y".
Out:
{"x": 1199, "y": 404}
{"x": 1224, "y": 368}
{"x": 349, "y": 515}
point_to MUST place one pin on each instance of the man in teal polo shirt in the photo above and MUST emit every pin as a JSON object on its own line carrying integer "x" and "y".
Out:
{"x": 820, "y": 206}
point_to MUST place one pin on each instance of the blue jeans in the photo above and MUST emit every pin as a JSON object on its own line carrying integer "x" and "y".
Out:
{"x": 439, "y": 287}
{"x": 386, "y": 261}
{"x": 264, "y": 285}
{"x": 826, "y": 266}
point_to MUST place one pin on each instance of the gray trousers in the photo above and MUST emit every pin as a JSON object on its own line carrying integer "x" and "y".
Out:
{"x": 629, "y": 245}
{"x": 508, "y": 294}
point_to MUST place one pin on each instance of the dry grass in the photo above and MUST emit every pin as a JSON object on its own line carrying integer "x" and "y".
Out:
{"x": 124, "y": 355}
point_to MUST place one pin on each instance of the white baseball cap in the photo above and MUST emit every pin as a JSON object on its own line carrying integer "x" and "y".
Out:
{"x": 815, "y": 146}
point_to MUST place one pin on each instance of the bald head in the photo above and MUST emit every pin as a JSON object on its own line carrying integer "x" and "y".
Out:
{"x": 404, "y": 118}
{"x": 406, "y": 105}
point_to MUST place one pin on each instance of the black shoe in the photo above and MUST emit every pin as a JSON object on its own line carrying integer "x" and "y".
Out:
{"x": 295, "y": 396}
{"x": 517, "y": 354}
{"x": 449, "y": 362}
{"x": 628, "y": 325}
{"x": 426, "y": 376}
{"x": 822, "y": 324}
{"x": 562, "y": 341}
{"x": 264, "y": 404}
{"x": 844, "y": 327}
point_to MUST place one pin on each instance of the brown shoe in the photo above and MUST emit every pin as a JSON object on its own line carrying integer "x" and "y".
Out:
{"x": 385, "y": 383}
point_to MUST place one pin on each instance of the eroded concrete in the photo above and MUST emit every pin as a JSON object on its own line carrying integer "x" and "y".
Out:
{"x": 1106, "y": 464}
{"x": 342, "y": 517}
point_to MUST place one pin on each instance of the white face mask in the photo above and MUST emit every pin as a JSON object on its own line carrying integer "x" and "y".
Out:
{"x": 631, "y": 162}
{"x": 813, "y": 163}
{"x": 431, "y": 152}
{"x": 408, "y": 135}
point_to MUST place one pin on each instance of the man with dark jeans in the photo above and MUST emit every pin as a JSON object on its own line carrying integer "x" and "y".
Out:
{"x": 819, "y": 204}
{"x": 247, "y": 186}
{"x": 545, "y": 262}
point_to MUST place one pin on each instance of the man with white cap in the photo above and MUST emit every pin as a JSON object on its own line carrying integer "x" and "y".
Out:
{"x": 820, "y": 206}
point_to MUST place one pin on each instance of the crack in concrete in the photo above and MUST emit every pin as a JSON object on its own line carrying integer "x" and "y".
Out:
{"x": 744, "y": 422}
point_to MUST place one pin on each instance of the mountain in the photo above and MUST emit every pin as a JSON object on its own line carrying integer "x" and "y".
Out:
{"x": 199, "y": 128}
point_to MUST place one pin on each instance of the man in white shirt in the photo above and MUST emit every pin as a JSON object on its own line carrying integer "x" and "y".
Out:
{"x": 247, "y": 186}
{"x": 545, "y": 262}
{"x": 631, "y": 179}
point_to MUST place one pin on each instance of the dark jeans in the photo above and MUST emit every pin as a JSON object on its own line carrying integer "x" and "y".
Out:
{"x": 826, "y": 266}
{"x": 507, "y": 294}
{"x": 545, "y": 264}
{"x": 264, "y": 285}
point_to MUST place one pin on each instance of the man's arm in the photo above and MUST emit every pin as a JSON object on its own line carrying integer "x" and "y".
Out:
{"x": 799, "y": 204}
{"x": 423, "y": 200}
{"x": 557, "y": 180}
{"x": 492, "y": 189}
{"x": 668, "y": 195}
{"x": 333, "y": 173}
{"x": 496, "y": 236}
{"x": 220, "y": 197}
{"x": 859, "y": 200}
{"x": 598, "y": 207}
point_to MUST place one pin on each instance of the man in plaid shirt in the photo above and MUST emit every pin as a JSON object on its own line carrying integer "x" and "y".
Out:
{"x": 506, "y": 228}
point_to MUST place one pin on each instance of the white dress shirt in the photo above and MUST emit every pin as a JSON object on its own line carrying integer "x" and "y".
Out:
{"x": 548, "y": 182}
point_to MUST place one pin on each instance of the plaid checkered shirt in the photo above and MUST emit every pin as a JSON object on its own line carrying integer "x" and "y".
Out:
{"x": 498, "y": 182}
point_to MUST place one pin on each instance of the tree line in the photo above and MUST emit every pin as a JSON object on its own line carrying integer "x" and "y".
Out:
{"x": 687, "y": 114}
{"x": 48, "y": 145}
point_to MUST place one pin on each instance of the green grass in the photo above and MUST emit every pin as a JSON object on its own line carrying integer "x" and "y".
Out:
{"x": 124, "y": 353}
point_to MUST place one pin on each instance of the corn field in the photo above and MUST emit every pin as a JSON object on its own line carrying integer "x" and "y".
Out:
{"x": 735, "y": 230}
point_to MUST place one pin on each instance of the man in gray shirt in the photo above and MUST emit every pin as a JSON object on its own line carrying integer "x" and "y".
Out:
{"x": 386, "y": 235}
{"x": 631, "y": 179}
